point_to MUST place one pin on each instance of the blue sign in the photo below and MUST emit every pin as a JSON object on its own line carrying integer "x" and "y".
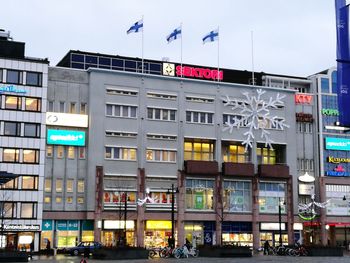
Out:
{"x": 47, "y": 225}
{"x": 337, "y": 144}
{"x": 66, "y": 137}
{"x": 70, "y": 225}
{"x": 343, "y": 61}
{"x": 208, "y": 237}
{"x": 336, "y": 173}
{"x": 12, "y": 89}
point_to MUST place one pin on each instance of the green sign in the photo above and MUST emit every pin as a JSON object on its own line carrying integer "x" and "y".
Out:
{"x": 66, "y": 137}
{"x": 330, "y": 112}
{"x": 47, "y": 225}
{"x": 199, "y": 200}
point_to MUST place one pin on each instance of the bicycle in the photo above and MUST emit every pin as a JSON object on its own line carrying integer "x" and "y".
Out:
{"x": 166, "y": 252}
{"x": 153, "y": 252}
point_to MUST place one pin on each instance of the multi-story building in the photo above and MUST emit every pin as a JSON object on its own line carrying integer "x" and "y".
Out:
{"x": 23, "y": 89}
{"x": 170, "y": 126}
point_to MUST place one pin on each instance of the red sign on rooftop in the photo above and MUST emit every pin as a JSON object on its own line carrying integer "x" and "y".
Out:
{"x": 199, "y": 73}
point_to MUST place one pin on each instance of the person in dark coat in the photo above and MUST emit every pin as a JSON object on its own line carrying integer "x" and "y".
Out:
{"x": 266, "y": 247}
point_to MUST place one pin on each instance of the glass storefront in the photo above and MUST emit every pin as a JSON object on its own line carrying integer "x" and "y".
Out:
{"x": 270, "y": 196}
{"x": 113, "y": 233}
{"x": 194, "y": 232}
{"x": 270, "y": 232}
{"x": 237, "y": 233}
{"x": 157, "y": 233}
{"x": 237, "y": 196}
{"x": 339, "y": 200}
{"x": 199, "y": 194}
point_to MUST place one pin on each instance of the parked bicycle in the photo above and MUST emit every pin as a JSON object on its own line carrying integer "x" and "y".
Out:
{"x": 153, "y": 252}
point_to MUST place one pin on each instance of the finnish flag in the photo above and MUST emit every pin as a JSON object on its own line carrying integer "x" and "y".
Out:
{"x": 176, "y": 34}
{"x": 211, "y": 36}
{"x": 135, "y": 28}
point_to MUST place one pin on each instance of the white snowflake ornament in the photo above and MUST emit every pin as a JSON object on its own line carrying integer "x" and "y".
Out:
{"x": 253, "y": 112}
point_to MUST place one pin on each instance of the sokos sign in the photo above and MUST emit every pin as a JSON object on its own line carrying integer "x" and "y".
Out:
{"x": 64, "y": 119}
{"x": 65, "y": 137}
{"x": 337, "y": 144}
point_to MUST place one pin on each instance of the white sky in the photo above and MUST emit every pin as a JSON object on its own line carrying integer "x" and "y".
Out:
{"x": 295, "y": 37}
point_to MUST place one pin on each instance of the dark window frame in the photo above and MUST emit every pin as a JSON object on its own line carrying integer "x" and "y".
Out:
{"x": 38, "y": 106}
{"x": 34, "y": 210}
{"x": 37, "y": 129}
{"x": 19, "y": 103}
{"x": 18, "y": 128}
{"x": 36, "y": 157}
{"x": 36, "y": 182}
{"x": 16, "y": 155}
{"x": 19, "y": 78}
{"x": 39, "y": 79}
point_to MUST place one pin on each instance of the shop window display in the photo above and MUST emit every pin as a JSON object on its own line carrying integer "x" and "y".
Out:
{"x": 270, "y": 194}
{"x": 237, "y": 196}
{"x": 199, "y": 194}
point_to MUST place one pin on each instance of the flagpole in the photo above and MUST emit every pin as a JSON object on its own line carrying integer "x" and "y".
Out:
{"x": 142, "y": 46}
{"x": 218, "y": 55}
{"x": 252, "y": 38}
{"x": 181, "y": 49}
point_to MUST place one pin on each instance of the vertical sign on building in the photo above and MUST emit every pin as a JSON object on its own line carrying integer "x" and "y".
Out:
{"x": 343, "y": 61}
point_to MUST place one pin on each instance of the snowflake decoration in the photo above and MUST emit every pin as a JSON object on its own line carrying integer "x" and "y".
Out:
{"x": 255, "y": 114}
{"x": 307, "y": 211}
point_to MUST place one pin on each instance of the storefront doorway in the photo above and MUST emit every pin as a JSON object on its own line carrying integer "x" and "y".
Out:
{"x": 157, "y": 233}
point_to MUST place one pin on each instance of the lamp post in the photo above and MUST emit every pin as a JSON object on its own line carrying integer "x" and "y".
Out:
{"x": 280, "y": 203}
{"x": 125, "y": 216}
{"x": 346, "y": 239}
{"x": 172, "y": 192}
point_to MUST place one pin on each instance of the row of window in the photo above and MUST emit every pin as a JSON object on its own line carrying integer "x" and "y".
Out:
{"x": 134, "y": 135}
{"x": 11, "y": 76}
{"x": 72, "y": 107}
{"x": 69, "y": 186}
{"x": 20, "y": 129}
{"x": 262, "y": 123}
{"x": 58, "y": 200}
{"x": 21, "y": 103}
{"x": 201, "y": 151}
{"x": 305, "y": 127}
{"x": 23, "y": 182}
{"x": 24, "y": 210}
{"x": 61, "y": 151}
{"x": 305, "y": 164}
{"x": 16, "y": 155}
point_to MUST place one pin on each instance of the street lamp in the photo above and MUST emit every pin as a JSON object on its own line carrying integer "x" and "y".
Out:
{"x": 346, "y": 239}
{"x": 172, "y": 191}
{"x": 280, "y": 203}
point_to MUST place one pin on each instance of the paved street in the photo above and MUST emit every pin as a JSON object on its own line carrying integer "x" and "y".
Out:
{"x": 259, "y": 258}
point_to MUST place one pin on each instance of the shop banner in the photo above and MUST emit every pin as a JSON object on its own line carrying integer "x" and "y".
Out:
{"x": 343, "y": 59}
{"x": 88, "y": 225}
{"x": 70, "y": 225}
{"x": 208, "y": 237}
{"x": 47, "y": 225}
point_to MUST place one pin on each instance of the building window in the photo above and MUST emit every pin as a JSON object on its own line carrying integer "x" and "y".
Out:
{"x": 237, "y": 196}
{"x": 1, "y": 72}
{"x": 161, "y": 137}
{"x": 266, "y": 155}
{"x": 62, "y": 106}
{"x": 124, "y": 92}
{"x": 13, "y": 103}
{"x": 161, "y": 156}
{"x": 121, "y": 111}
{"x": 59, "y": 185}
{"x": 199, "y": 194}
{"x": 235, "y": 153}
{"x": 69, "y": 200}
{"x": 32, "y": 104}
{"x": 70, "y": 183}
{"x": 199, "y": 99}
{"x": 270, "y": 196}
{"x": 121, "y": 134}
{"x": 28, "y": 210}
{"x": 201, "y": 151}
{"x": 30, "y": 182}
{"x": 60, "y": 151}
{"x": 49, "y": 151}
{"x": 30, "y": 156}
{"x": 34, "y": 79}
{"x": 154, "y": 95}
{"x": 12, "y": 128}
{"x": 10, "y": 155}
{"x": 72, "y": 107}
{"x": 161, "y": 114}
{"x": 47, "y": 199}
{"x": 50, "y": 106}
{"x": 14, "y": 77}
{"x": 324, "y": 85}
{"x": 58, "y": 200}
{"x": 32, "y": 130}
{"x": 82, "y": 152}
{"x": 337, "y": 206}
{"x": 71, "y": 152}
{"x": 199, "y": 117}
{"x": 83, "y": 108}
{"x": 10, "y": 210}
{"x": 13, "y": 184}
{"x": 118, "y": 153}
{"x": 47, "y": 186}
{"x": 81, "y": 186}
{"x": 80, "y": 200}
{"x": 161, "y": 197}
{"x": 119, "y": 197}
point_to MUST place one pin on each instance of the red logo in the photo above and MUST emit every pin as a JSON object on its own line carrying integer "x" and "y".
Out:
{"x": 199, "y": 73}
{"x": 303, "y": 98}
{"x": 339, "y": 168}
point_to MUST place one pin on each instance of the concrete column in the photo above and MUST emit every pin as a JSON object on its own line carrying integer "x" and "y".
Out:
{"x": 140, "y": 222}
{"x": 290, "y": 211}
{"x": 180, "y": 207}
{"x": 255, "y": 208}
{"x": 97, "y": 231}
{"x": 324, "y": 238}
{"x": 218, "y": 206}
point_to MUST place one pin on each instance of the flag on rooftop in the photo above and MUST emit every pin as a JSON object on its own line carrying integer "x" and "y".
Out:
{"x": 176, "y": 34}
{"x": 211, "y": 36}
{"x": 135, "y": 28}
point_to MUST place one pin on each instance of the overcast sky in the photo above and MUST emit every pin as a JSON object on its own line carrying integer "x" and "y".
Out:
{"x": 290, "y": 37}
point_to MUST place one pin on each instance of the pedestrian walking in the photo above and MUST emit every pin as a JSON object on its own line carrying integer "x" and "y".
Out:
{"x": 266, "y": 247}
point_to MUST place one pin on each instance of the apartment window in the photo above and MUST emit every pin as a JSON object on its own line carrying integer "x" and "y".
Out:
{"x": 161, "y": 114}
{"x": 161, "y": 96}
{"x": 118, "y": 153}
{"x": 161, "y": 156}
{"x": 62, "y": 106}
{"x": 202, "y": 151}
{"x": 72, "y": 107}
{"x": 235, "y": 153}
{"x": 199, "y": 117}
{"x": 199, "y": 99}
{"x": 12, "y": 128}
{"x": 266, "y": 155}
{"x": 30, "y": 182}
{"x": 161, "y": 137}
{"x": 47, "y": 199}
{"x": 83, "y": 108}
{"x": 58, "y": 200}
{"x": 120, "y": 134}
{"x": 14, "y": 77}
{"x": 59, "y": 185}
{"x": 34, "y": 79}
{"x": 28, "y": 210}
{"x": 70, "y": 183}
{"x": 49, "y": 151}
{"x": 121, "y": 111}
{"x": 13, "y": 103}
{"x": 71, "y": 152}
{"x": 80, "y": 200}
{"x": 32, "y": 130}
{"x": 69, "y": 200}
{"x": 10, "y": 155}
{"x": 120, "y": 92}
{"x": 60, "y": 151}
{"x": 50, "y": 106}
{"x": 47, "y": 186}
{"x": 10, "y": 209}
{"x": 82, "y": 152}
{"x": 81, "y": 186}
{"x": 12, "y": 184}
{"x": 32, "y": 104}
{"x": 30, "y": 156}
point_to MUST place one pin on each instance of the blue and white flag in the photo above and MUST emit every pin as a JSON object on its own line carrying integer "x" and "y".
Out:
{"x": 135, "y": 28}
{"x": 211, "y": 36}
{"x": 176, "y": 34}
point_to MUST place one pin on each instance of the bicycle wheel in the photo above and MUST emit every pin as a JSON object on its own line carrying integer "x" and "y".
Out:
{"x": 196, "y": 253}
{"x": 151, "y": 254}
{"x": 177, "y": 253}
{"x": 162, "y": 253}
